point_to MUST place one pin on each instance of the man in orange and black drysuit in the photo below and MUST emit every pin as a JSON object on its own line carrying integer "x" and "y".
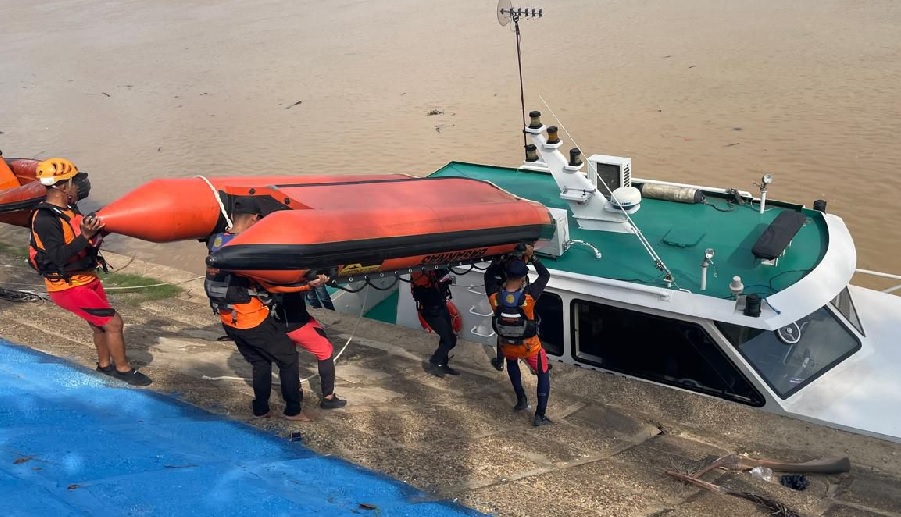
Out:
{"x": 516, "y": 324}
{"x": 246, "y": 318}
{"x": 494, "y": 278}
{"x": 431, "y": 291}
{"x": 64, "y": 249}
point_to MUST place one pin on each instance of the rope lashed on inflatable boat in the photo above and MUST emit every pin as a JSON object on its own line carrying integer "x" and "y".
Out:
{"x": 222, "y": 209}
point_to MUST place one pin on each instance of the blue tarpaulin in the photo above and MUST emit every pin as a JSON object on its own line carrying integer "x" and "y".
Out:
{"x": 73, "y": 442}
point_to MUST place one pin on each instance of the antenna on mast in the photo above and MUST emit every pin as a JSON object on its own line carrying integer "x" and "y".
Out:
{"x": 505, "y": 14}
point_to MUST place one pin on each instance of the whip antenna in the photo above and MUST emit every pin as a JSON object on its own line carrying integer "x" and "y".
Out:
{"x": 505, "y": 14}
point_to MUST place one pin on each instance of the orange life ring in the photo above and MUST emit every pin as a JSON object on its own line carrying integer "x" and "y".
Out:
{"x": 456, "y": 319}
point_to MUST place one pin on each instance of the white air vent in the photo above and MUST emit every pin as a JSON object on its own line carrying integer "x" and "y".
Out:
{"x": 615, "y": 171}
{"x": 556, "y": 246}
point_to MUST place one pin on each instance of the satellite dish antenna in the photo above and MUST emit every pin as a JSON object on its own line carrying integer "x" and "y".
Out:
{"x": 505, "y": 14}
{"x": 504, "y": 10}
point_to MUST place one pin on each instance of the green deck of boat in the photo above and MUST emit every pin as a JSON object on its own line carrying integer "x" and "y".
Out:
{"x": 678, "y": 232}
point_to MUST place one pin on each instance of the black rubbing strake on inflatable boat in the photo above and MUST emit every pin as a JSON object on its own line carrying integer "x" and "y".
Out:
{"x": 369, "y": 251}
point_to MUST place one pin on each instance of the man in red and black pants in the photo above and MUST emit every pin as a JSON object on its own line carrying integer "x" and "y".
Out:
{"x": 64, "y": 249}
{"x": 303, "y": 329}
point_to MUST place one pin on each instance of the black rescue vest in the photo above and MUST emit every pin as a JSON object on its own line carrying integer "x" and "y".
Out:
{"x": 225, "y": 289}
{"x": 510, "y": 320}
{"x": 85, "y": 260}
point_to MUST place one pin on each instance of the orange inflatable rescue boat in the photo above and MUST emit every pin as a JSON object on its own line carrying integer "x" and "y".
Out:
{"x": 345, "y": 225}
{"x": 383, "y": 225}
{"x": 20, "y": 192}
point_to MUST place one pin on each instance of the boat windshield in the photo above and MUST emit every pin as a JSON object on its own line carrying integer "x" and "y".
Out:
{"x": 790, "y": 358}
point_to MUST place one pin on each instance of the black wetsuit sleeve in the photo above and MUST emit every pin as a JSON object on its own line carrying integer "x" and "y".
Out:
{"x": 494, "y": 278}
{"x": 50, "y": 231}
{"x": 537, "y": 287}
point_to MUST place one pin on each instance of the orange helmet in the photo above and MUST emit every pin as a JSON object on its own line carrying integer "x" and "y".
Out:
{"x": 51, "y": 170}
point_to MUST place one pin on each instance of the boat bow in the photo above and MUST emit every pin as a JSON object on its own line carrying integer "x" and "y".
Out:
{"x": 863, "y": 392}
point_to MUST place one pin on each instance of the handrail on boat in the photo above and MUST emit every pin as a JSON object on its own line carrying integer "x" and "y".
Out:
{"x": 882, "y": 275}
{"x": 476, "y": 331}
{"x": 474, "y": 312}
{"x": 878, "y": 273}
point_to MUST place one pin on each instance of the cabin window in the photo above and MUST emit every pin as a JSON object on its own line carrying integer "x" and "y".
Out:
{"x": 550, "y": 308}
{"x": 664, "y": 350}
{"x": 844, "y": 305}
{"x": 792, "y": 357}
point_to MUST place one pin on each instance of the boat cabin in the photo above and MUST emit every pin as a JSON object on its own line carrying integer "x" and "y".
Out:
{"x": 710, "y": 290}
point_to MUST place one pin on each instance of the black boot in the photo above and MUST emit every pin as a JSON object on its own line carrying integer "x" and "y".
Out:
{"x": 540, "y": 420}
{"x": 497, "y": 363}
{"x": 332, "y": 403}
{"x": 441, "y": 369}
{"x": 522, "y": 402}
{"x": 447, "y": 369}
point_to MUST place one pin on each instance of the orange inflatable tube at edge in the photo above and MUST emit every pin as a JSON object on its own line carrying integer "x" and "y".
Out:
{"x": 8, "y": 179}
{"x": 20, "y": 192}
{"x": 175, "y": 209}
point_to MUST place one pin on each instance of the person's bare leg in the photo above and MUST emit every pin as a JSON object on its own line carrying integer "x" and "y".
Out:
{"x": 103, "y": 357}
{"x": 115, "y": 343}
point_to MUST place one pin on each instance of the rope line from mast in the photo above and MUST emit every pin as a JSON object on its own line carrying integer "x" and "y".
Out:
{"x": 658, "y": 262}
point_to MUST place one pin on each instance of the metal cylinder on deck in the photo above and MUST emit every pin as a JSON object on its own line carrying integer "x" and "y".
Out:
{"x": 752, "y": 306}
{"x": 531, "y": 153}
{"x": 535, "y": 120}
{"x": 575, "y": 157}
{"x": 552, "y": 137}
{"x": 820, "y": 205}
{"x": 672, "y": 193}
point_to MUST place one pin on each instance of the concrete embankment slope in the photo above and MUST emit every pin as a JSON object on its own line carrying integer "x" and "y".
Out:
{"x": 458, "y": 437}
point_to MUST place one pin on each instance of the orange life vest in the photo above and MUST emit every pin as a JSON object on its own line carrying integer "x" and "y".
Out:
{"x": 427, "y": 289}
{"x": 517, "y": 333}
{"x": 80, "y": 269}
{"x": 232, "y": 297}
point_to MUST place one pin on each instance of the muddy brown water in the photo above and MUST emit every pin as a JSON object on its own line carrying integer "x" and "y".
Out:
{"x": 698, "y": 91}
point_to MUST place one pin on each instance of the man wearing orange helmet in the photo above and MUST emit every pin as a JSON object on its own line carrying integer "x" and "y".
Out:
{"x": 64, "y": 249}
